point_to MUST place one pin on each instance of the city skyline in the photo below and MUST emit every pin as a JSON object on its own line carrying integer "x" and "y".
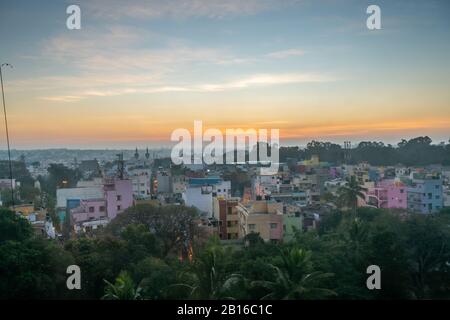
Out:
{"x": 313, "y": 70}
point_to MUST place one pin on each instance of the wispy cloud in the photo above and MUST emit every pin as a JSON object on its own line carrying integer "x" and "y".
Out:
{"x": 286, "y": 53}
{"x": 254, "y": 81}
{"x": 152, "y": 9}
{"x": 266, "y": 80}
{"x": 114, "y": 61}
{"x": 62, "y": 98}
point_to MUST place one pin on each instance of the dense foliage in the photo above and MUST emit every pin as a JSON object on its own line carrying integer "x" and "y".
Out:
{"x": 140, "y": 256}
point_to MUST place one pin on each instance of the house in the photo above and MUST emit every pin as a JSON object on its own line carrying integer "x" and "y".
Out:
{"x": 264, "y": 217}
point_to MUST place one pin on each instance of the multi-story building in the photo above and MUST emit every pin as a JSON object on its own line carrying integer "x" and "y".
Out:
{"x": 141, "y": 180}
{"x": 163, "y": 179}
{"x": 201, "y": 191}
{"x": 95, "y": 202}
{"x": 387, "y": 194}
{"x": 264, "y": 217}
{"x": 424, "y": 194}
{"x": 225, "y": 211}
{"x": 263, "y": 185}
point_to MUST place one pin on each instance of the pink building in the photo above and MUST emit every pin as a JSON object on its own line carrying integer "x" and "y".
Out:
{"x": 92, "y": 209}
{"x": 117, "y": 197}
{"x": 387, "y": 194}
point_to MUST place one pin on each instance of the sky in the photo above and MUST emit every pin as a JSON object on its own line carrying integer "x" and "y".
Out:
{"x": 138, "y": 70}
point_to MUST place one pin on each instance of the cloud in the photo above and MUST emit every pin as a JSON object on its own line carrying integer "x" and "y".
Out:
{"x": 153, "y": 9}
{"x": 286, "y": 53}
{"x": 266, "y": 80}
{"x": 115, "y": 60}
{"x": 254, "y": 81}
{"x": 62, "y": 98}
{"x": 122, "y": 48}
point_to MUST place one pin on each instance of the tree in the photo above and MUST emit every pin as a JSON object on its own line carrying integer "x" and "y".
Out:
{"x": 155, "y": 276}
{"x": 349, "y": 194}
{"x": 174, "y": 226}
{"x": 428, "y": 247}
{"x": 13, "y": 227}
{"x": 295, "y": 278}
{"x": 208, "y": 277}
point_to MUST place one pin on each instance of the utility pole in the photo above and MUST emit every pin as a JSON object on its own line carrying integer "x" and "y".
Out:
{"x": 7, "y": 132}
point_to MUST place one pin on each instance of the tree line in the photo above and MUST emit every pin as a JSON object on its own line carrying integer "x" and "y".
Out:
{"x": 414, "y": 152}
{"x": 152, "y": 252}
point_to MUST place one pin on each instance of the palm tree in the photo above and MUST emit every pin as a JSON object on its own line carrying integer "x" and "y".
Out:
{"x": 122, "y": 289}
{"x": 295, "y": 279}
{"x": 207, "y": 279}
{"x": 348, "y": 195}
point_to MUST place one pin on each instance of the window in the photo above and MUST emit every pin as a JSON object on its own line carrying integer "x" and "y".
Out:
{"x": 102, "y": 208}
{"x": 119, "y": 197}
{"x": 91, "y": 209}
{"x": 119, "y": 208}
{"x": 436, "y": 186}
{"x": 273, "y": 225}
{"x": 402, "y": 190}
{"x": 252, "y": 226}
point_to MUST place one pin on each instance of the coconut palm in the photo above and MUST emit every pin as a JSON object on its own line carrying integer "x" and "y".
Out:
{"x": 295, "y": 279}
{"x": 348, "y": 195}
{"x": 207, "y": 278}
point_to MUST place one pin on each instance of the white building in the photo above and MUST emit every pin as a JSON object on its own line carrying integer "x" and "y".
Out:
{"x": 82, "y": 193}
{"x": 201, "y": 191}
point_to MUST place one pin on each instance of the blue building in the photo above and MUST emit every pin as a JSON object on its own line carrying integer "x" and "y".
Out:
{"x": 425, "y": 194}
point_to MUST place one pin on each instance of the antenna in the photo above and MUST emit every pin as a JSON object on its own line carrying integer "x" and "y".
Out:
{"x": 347, "y": 147}
{"x": 7, "y": 131}
{"x": 120, "y": 165}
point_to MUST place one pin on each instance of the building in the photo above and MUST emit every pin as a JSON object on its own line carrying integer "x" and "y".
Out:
{"x": 178, "y": 185}
{"x": 425, "y": 194}
{"x": 90, "y": 213}
{"x": 387, "y": 194}
{"x": 264, "y": 217}
{"x": 94, "y": 202}
{"x": 141, "y": 180}
{"x": 163, "y": 180}
{"x": 6, "y": 184}
{"x": 200, "y": 193}
{"x": 225, "y": 211}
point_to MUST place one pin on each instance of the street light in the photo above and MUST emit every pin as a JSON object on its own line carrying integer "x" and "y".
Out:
{"x": 7, "y": 133}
